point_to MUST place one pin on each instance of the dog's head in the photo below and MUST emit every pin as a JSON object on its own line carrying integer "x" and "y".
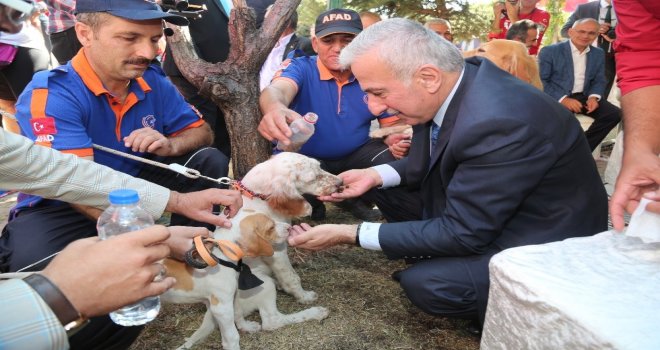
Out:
{"x": 284, "y": 178}
{"x": 259, "y": 233}
{"x": 511, "y": 56}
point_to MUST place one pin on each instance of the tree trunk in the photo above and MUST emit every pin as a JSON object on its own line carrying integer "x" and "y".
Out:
{"x": 233, "y": 85}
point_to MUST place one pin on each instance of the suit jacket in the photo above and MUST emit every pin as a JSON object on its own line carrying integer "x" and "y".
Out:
{"x": 557, "y": 75}
{"x": 511, "y": 167}
{"x": 210, "y": 33}
{"x": 588, "y": 10}
{"x": 298, "y": 43}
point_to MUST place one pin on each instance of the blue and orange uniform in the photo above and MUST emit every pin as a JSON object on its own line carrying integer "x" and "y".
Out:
{"x": 344, "y": 118}
{"x": 69, "y": 109}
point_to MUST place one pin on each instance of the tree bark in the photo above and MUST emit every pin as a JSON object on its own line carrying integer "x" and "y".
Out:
{"x": 233, "y": 85}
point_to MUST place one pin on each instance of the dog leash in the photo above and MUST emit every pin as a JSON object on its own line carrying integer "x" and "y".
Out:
{"x": 246, "y": 279}
{"x": 177, "y": 168}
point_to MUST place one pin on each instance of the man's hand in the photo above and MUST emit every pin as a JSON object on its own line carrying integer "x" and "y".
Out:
{"x": 199, "y": 205}
{"x": 572, "y": 104}
{"x": 101, "y": 276}
{"x": 356, "y": 182}
{"x": 398, "y": 144}
{"x": 604, "y": 28}
{"x": 640, "y": 174}
{"x": 322, "y": 236}
{"x": 592, "y": 104}
{"x": 181, "y": 239}
{"x": 275, "y": 124}
{"x": 150, "y": 141}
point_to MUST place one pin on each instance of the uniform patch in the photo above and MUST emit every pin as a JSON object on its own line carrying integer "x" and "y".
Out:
{"x": 149, "y": 121}
{"x": 43, "y": 126}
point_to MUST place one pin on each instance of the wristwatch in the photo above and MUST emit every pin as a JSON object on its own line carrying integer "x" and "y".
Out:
{"x": 71, "y": 319}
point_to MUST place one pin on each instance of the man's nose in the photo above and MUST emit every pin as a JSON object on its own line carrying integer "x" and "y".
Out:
{"x": 375, "y": 106}
{"x": 147, "y": 50}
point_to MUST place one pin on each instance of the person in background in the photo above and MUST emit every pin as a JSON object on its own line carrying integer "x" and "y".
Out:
{"x": 61, "y": 21}
{"x": 369, "y": 18}
{"x": 289, "y": 44}
{"x": 441, "y": 26}
{"x": 638, "y": 67}
{"x": 603, "y": 12}
{"x": 511, "y": 11}
{"x": 572, "y": 73}
{"x": 524, "y": 31}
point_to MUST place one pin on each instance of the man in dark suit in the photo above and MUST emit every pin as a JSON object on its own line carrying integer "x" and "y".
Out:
{"x": 210, "y": 36}
{"x": 603, "y": 12}
{"x": 572, "y": 72}
{"x": 495, "y": 162}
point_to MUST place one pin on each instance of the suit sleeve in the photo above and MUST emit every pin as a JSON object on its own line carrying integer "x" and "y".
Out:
{"x": 500, "y": 162}
{"x": 569, "y": 23}
{"x": 546, "y": 71}
{"x": 45, "y": 172}
{"x": 598, "y": 82}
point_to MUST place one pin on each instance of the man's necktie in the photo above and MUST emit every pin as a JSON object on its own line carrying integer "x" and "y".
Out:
{"x": 435, "y": 131}
{"x": 608, "y": 15}
{"x": 602, "y": 43}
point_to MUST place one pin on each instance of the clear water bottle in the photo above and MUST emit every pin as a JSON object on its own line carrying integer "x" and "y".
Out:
{"x": 302, "y": 129}
{"x": 125, "y": 215}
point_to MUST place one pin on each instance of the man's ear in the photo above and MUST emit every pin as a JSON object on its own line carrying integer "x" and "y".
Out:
{"x": 315, "y": 44}
{"x": 84, "y": 33}
{"x": 429, "y": 77}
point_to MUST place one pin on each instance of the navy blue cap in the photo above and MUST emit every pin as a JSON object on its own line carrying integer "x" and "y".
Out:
{"x": 338, "y": 21}
{"x": 137, "y": 10}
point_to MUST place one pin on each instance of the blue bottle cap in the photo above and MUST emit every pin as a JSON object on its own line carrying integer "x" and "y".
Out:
{"x": 123, "y": 196}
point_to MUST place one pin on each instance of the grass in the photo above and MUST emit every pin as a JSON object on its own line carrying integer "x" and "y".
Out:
{"x": 368, "y": 310}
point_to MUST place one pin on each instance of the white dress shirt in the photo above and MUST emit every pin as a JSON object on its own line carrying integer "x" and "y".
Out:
{"x": 273, "y": 61}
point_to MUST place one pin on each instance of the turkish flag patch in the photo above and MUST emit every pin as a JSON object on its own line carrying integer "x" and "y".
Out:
{"x": 43, "y": 126}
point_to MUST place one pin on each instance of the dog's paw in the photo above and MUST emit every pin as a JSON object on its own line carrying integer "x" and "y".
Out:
{"x": 248, "y": 326}
{"x": 320, "y": 312}
{"x": 307, "y": 297}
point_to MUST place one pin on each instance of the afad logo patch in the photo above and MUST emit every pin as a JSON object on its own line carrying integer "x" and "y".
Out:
{"x": 43, "y": 126}
{"x": 149, "y": 121}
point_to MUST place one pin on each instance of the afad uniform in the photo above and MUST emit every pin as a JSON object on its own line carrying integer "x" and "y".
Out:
{"x": 69, "y": 109}
{"x": 344, "y": 119}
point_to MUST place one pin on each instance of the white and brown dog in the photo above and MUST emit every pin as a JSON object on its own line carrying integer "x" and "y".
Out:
{"x": 272, "y": 196}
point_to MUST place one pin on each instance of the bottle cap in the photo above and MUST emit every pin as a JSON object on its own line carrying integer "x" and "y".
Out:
{"x": 123, "y": 196}
{"x": 311, "y": 117}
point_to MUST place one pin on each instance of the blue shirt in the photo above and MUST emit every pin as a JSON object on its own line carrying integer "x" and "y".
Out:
{"x": 69, "y": 109}
{"x": 344, "y": 119}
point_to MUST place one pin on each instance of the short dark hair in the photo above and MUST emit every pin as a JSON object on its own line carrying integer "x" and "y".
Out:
{"x": 518, "y": 30}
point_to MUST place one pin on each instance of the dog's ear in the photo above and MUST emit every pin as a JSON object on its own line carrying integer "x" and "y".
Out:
{"x": 258, "y": 232}
{"x": 292, "y": 207}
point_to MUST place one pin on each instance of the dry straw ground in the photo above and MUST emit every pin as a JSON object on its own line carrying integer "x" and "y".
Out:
{"x": 367, "y": 310}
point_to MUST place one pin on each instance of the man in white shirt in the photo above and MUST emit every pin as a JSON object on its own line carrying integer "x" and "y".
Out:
{"x": 573, "y": 73}
{"x": 288, "y": 42}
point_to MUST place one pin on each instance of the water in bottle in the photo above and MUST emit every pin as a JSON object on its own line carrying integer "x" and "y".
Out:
{"x": 125, "y": 215}
{"x": 302, "y": 129}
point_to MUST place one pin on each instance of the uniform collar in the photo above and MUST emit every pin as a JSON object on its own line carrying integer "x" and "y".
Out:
{"x": 325, "y": 74}
{"x": 89, "y": 77}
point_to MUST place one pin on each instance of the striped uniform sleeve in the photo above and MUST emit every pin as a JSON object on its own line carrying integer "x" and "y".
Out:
{"x": 27, "y": 321}
{"x": 38, "y": 170}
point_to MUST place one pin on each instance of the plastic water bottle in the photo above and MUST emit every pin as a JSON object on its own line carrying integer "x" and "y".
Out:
{"x": 125, "y": 215}
{"x": 302, "y": 129}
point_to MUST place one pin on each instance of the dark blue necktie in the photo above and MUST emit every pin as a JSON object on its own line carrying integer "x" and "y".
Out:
{"x": 435, "y": 131}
